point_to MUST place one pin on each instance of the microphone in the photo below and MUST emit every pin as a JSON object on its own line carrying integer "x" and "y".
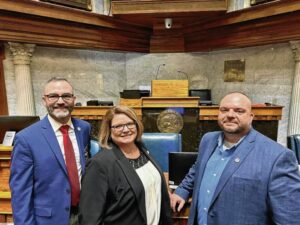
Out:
{"x": 186, "y": 75}
{"x": 158, "y": 70}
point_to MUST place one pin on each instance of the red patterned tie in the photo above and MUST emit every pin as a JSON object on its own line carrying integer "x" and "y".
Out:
{"x": 71, "y": 165}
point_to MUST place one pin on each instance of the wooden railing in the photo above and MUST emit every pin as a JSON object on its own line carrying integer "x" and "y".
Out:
{"x": 261, "y": 111}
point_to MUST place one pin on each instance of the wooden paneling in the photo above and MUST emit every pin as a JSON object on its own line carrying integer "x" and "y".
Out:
{"x": 51, "y": 11}
{"x": 64, "y": 27}
{"x": 5, "y": 153}
{"x": 161, "y": 44}
{"x": 131, "y": 102}
{"x": 162, "y": 102}
{"x": 207, "y": 113}
{"x": 260, "y": 112}
{"x": 81, "y": 4}
{"x": 248, "y": 14}
{"x": 269, "y": 30}
{"x": 167, "y": 6}
{"x": 3, "y": 98}
{"x": 274, "y": 22}
{"x": 194, "y": 29}
{"x": 4, "y": 174}
{"x": 5, "y": 196}
{"x": 167, "y": 88}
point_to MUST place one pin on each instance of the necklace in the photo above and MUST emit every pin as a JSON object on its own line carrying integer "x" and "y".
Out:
{"x": 138, "y": 162}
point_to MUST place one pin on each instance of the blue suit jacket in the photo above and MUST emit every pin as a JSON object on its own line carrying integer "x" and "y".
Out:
{"x": 39, "y": 181}
{"x": 260, "y": 185}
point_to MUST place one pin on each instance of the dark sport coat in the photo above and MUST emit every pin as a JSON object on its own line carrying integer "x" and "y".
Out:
{"x": 113, "y": 194}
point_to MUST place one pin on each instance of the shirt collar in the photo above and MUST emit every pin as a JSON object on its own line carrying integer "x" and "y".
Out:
{"x": 56, "y": 125}
{"x": 221, "y": 145}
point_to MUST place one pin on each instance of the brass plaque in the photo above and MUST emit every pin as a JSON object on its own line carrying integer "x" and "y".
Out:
{"x": 234, "y": 71}
{"x": 169, "y": 121}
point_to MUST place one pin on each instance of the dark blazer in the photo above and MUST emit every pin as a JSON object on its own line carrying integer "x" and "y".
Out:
{"x": 260, "y": 185}
{"x": 39, "y": 181}
{"x": 113, "y": 194}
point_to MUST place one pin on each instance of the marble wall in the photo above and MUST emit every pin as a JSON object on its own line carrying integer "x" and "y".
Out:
{"x": 102, "y": 75}
{"x": 94, "y": 75}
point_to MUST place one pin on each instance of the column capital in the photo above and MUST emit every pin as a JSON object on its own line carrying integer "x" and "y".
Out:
{"x": 21, "y": 52}
{"x": 295, "y": 46}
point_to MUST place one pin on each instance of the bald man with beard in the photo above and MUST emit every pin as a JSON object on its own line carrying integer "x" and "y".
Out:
{"x": 240, "y": 177}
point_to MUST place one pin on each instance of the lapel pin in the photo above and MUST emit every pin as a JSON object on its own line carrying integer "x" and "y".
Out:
{"x": 237, "y": 160}
{"x": 78, "y": 128}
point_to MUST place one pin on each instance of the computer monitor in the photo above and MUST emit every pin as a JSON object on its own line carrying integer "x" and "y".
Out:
{"x": 179, "y": 165}
{"x": 106, "y": 103}
{"x": 15, "y": 123}
{"x": 204, "y": 94}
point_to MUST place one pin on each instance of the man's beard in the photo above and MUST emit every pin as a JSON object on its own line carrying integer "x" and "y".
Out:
{"x": 60, "y": 114}
{"x": 231, "y": 130}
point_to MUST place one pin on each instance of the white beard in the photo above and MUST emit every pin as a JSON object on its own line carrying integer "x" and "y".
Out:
{"x": 61, "y": 114}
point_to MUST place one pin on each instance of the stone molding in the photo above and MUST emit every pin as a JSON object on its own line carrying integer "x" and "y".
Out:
{"x": 22, "y": 53}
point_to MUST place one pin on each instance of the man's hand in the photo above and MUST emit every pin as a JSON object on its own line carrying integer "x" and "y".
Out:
{"x": 176, "y": 202}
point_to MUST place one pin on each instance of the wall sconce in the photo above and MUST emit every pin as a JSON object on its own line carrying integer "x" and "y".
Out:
{"x": 168, "y": 23}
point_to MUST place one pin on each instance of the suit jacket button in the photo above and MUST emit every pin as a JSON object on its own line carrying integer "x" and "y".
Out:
{"x": 68, "y": 191}
{"x": 67, "y": 209}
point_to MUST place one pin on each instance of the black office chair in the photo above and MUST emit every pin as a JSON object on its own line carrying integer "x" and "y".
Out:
{"x": 293, "y": 143}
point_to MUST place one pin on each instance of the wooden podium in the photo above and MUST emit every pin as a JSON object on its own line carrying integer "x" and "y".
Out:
{"x": 170, "y": 88}
{"x": 158, "y": 102}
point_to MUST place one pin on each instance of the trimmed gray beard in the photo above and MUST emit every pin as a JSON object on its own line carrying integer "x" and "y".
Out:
{"x": 59, "y": 115}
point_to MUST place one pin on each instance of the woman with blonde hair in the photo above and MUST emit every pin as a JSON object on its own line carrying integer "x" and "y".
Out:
{"x": 122, "y": 184}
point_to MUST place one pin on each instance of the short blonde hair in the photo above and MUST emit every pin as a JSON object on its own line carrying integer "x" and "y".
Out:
{"x": 105, "y": 130}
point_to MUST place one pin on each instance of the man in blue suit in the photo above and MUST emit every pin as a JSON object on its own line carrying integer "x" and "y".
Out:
{"x": 240, "y": 177}
{"x": 48, "y": 162}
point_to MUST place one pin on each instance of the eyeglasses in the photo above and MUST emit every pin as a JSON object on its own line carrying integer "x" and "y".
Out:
{"x": 55, "y": 97}
{"x": 120, "y": 127}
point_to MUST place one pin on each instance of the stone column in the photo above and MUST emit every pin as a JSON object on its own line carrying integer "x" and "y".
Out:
{"x": 21, "y": 58}
{"x": 294, "y": 117}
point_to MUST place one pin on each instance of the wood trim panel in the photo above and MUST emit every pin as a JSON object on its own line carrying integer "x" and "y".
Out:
{"x": 276, "y": 29}
{"x": 159, "y": 44}
{"x": 3, "y": 97}
{"x": 43, "y": 31}
{"x": 57, "y": 12}
{"x": 53, "y": 25}
{"x": 270, "y": 23}
{"x": 248, "y": 14}
{"x": 260, "y": 112}
{"x": 266, "y": 113}
{"x": 166, "y": 6}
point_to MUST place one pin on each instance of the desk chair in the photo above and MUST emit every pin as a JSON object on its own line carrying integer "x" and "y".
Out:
{"x": 160, "y": 144}
{"x": 293, "y": 143}
{"x": 94, "y": 147}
